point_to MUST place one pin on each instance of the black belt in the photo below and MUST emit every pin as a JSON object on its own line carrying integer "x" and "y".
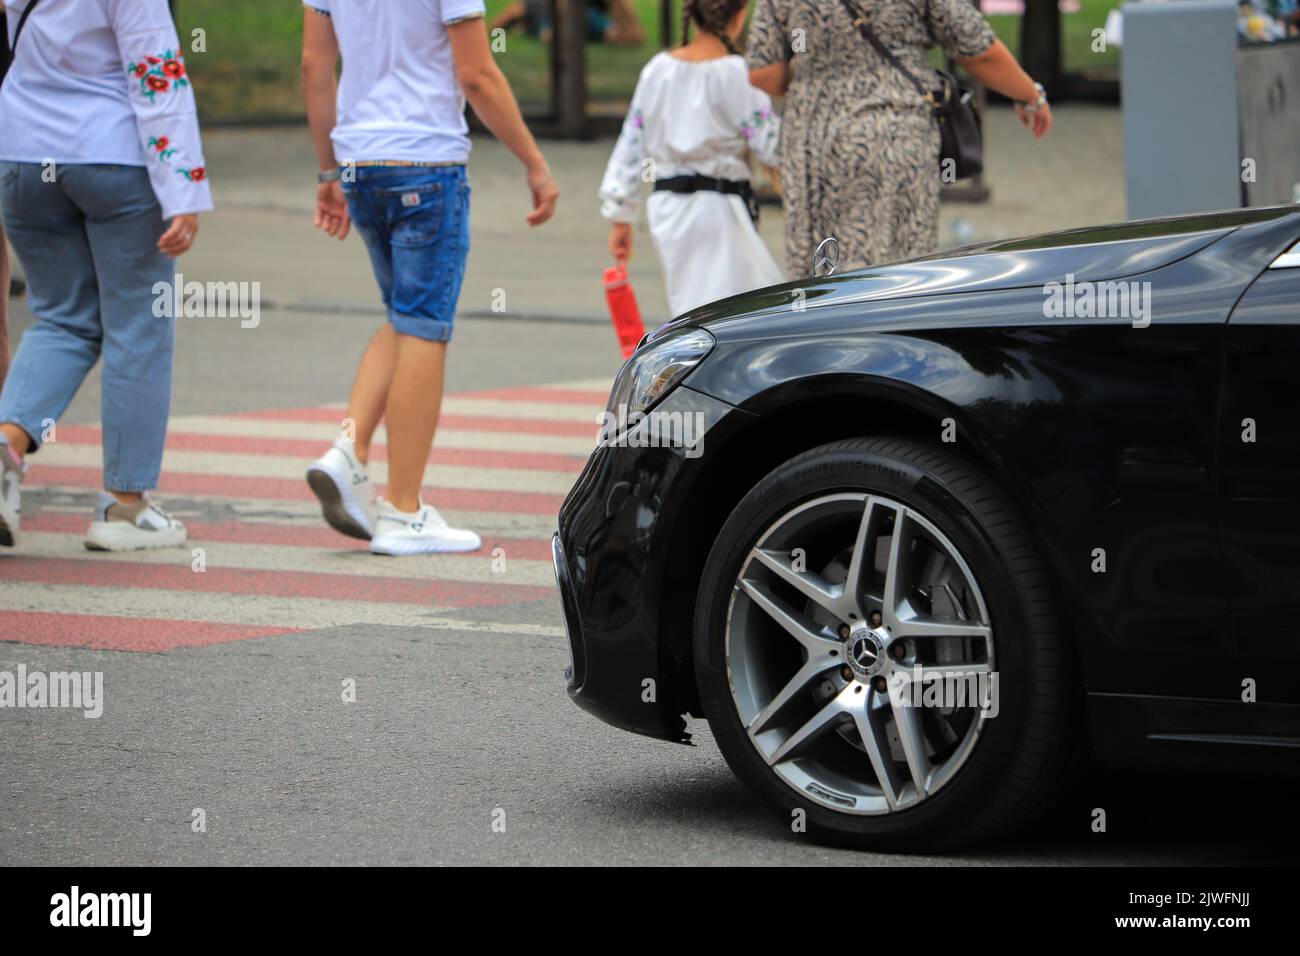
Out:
{"x": 695, "y": 183}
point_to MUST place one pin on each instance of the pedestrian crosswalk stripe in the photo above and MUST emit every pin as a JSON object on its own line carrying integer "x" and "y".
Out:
{"x": 532, "y": 411}
{"x": 498, "y": 454}
{"x": 106, "y": 632}
{"x": 586, "y": 428}
{"x": 516, "y": 538}
{"x": 141, "y": 574}
{"x": 273, "y": 514}
{"x": 503, "y": 460}
{"x": 204, "y": 484}
{"x": 578, "y": 396}
{"x": 479, "y": 567}
{"x": 492, "y": 408}
{"x": 238, "y": 465}
{"x": 288, "y": 429}
{"x": 600, "y": 386}
{"x": 164, "y": 625}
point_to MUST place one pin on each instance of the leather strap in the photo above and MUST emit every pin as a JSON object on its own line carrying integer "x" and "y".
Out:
{"x": 13, "y": 47}
{"x": 860, "y": 21}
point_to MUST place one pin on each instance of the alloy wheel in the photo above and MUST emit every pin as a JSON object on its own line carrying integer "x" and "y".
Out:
{"x": 843, "y": 612}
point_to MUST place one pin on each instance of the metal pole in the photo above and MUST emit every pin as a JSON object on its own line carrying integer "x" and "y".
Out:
{"x": 667, "y": 26}
{"x": 569, "y": 69}
{"x": 1040, "y": 42}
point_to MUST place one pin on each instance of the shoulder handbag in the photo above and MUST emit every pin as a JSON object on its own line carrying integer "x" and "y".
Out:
{"x": 961, "y": 137}
{"x": 11, "y": 48}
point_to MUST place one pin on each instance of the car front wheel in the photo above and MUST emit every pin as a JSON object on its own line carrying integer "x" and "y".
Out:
{"x": 878, "y": 652}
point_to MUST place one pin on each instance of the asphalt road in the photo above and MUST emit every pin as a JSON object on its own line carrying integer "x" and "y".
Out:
{"x": 454, "y": 725}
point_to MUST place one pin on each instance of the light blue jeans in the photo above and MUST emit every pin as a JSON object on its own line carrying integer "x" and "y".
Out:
{"x": 88, "y": 243}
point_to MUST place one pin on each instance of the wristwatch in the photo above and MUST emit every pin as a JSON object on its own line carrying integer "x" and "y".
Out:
{"x": 1038, "y": 103}
{"x": 329, "y": 176}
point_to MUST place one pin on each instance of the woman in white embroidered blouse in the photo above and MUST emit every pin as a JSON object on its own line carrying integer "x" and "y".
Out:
{"x": 4, "y": 243}
{"x": 693, "y": 119}
{"x": 101, "y": 182}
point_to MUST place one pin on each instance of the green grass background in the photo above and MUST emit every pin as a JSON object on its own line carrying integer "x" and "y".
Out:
{"x": 250, "y": 69}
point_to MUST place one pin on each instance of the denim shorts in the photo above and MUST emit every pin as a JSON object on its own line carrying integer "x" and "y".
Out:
{"x": 415, "y": 223}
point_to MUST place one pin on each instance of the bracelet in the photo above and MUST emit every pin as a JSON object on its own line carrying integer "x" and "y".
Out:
{"x": 329, "y": 176}
{"x": 1039, "y": 103}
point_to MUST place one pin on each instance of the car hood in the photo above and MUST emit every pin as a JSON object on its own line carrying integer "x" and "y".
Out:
{"x": 1092, "y": 254}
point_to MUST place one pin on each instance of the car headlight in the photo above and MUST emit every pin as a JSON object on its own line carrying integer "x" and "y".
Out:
{"x": 648, "y": 376}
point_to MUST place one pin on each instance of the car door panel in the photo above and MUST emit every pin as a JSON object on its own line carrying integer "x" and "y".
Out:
{"x": 1259, "y": 482}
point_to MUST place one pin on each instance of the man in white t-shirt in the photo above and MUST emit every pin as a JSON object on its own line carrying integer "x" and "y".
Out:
{"x": 393, "y": 143}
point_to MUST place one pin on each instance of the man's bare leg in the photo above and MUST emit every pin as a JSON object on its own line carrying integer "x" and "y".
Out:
{"x": 370, "y": 389}
{"x": 414, "y": 404}
{"x": 18, "y": 439}
{"x": 339, "y": 478}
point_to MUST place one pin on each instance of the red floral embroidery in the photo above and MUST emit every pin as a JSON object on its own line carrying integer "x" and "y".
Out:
{"x": 160, "y": 74}
{"x": 163, "y": 146}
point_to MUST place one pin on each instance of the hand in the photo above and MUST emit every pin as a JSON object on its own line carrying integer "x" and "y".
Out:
{"x": 1038, "y": 122}
{"x": 178, "y": 238}
{"x": 620, "y": 241}
{"x": 332, "y": 216}
{"x": 545, "y": 195}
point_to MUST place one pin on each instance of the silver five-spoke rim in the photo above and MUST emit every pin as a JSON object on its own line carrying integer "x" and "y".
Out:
{"x": 838, "y": 609}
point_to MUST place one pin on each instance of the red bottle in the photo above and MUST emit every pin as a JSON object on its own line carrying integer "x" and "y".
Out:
{"x": 623, "y": 308}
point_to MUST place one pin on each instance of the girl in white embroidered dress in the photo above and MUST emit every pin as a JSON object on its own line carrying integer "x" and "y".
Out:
{"x": 694, "y": 113}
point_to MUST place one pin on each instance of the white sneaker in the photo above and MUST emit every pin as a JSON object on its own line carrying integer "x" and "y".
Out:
{"x": 11, "y": 503}
{"x": 343, "y": 487}
{"x": 424, "y": 532}
{"x": 138, "y": 527}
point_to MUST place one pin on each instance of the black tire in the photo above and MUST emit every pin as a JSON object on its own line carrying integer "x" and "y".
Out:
{"x": 1021, "y": 755}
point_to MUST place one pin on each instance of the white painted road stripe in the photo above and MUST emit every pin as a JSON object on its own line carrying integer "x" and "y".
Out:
{"x": 536, "y": 411}
{"x": 474, "y": 569}
{"x": 307, "y": 514}
{"x": 324, "y": 432}
{"x": 227, "y": 465}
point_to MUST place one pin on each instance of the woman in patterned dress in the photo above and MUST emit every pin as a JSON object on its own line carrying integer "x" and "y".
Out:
{"x": 859, "y": 147}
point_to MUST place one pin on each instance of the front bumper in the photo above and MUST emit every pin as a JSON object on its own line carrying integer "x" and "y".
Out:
{"x": 576, "y": 672}
{"x": 614, "y": 532}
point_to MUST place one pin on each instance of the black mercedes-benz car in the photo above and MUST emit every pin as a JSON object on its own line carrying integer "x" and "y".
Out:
{"x": 916, "y": 539}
